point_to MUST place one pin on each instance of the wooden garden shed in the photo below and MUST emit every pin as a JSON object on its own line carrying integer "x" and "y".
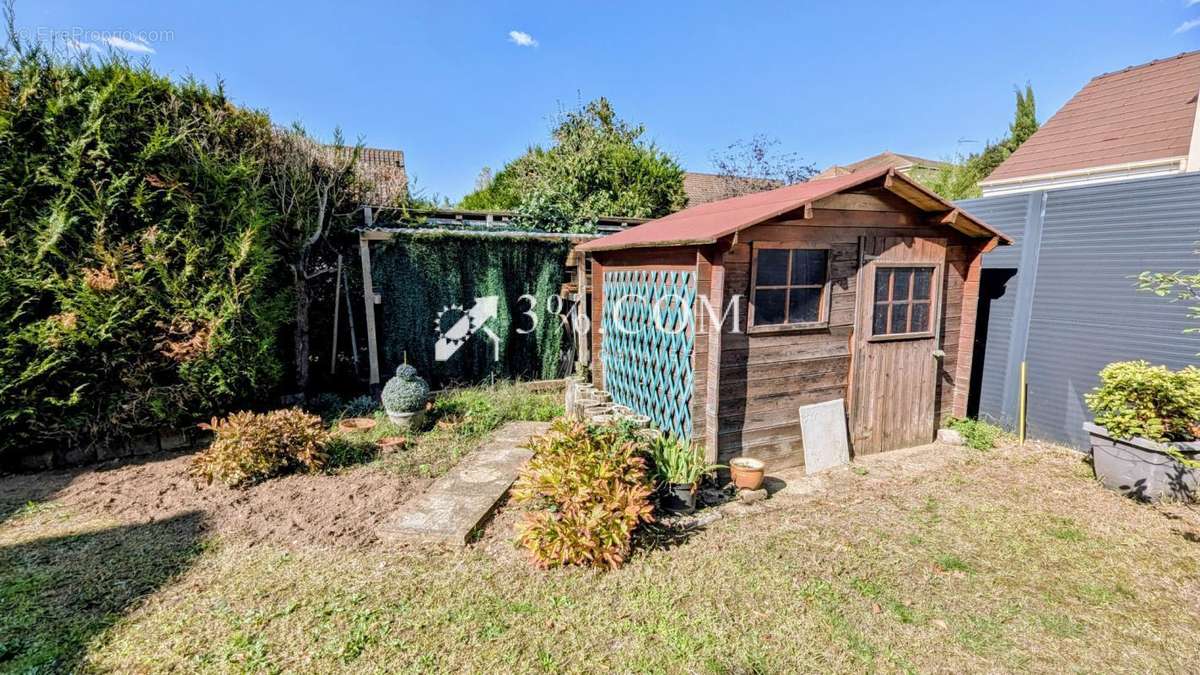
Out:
{"x": 861, "y": 287}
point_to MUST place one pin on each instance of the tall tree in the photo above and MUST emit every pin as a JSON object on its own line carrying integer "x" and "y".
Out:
{"x": 312, "y": 185}
{"x": 960, "y": 180}
{"x": 597, "y": 165}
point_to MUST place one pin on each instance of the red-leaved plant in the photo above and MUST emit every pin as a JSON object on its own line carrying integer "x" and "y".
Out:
{"x": 589, "y": 491}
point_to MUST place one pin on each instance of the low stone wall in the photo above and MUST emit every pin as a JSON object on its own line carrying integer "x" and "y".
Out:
{"x": 177, "y": 440}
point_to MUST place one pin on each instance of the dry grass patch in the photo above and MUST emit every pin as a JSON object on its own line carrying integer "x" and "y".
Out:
{"x": 1012, "y": 559}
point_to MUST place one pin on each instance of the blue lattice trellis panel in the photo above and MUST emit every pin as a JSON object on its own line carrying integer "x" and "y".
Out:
{"x": 646, "y": 348}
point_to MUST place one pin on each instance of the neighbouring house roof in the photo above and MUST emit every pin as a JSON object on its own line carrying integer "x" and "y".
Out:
{"x": 702, "y": 188}
{"x": 1138, "y": 114}
{"x": 385, "y": 169}
{"x": 886, "y": 159}
{"x": 706, "y": 223}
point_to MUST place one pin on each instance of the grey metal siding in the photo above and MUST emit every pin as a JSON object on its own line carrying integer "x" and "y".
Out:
{"x": 1086, "y": 310}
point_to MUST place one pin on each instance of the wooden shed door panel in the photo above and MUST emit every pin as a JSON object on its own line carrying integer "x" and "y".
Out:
{"x": 896, "y": 335}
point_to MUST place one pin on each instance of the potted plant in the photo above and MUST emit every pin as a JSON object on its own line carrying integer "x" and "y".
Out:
{"x": 404, "y": 397}
{"x": 678, "y": 466}
{"x": 1143, "y": 440}
{"x": 747, "y": 472}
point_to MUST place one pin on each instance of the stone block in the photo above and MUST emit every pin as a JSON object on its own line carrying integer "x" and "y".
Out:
{"x": 950, "y": 437}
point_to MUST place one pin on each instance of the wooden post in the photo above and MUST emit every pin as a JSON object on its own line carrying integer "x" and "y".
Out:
{"x": 364, "y": 252}
{"x": 712, "y": 394}
{"x": 582, "y": 330}
{"x": 337, "y": 311}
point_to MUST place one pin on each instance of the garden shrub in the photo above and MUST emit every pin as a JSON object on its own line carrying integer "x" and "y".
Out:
{"x": 406, "y": 392}
{"x": 140, "y": 287}
{"x": 360, "y": 406}
{"x": 1137, "y": 399}
{"x": 250, "y": 447}
{"x": 976, "y": 433}
{"x": 589, "y": 489}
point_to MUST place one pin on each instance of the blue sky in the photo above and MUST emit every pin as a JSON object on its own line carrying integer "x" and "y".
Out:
{"x": 449, "y": 84}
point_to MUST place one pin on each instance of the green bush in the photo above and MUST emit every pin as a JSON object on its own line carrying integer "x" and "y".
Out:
{"x": 977, "y": 434}
{"x": 140, "y": 286}
{"x": 1137, "y": 399}
{"x": 589, "y": 489}
{"x": 250, "y": 447}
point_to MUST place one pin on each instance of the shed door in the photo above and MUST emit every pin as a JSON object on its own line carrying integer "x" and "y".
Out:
{"x": 896, "y": 336}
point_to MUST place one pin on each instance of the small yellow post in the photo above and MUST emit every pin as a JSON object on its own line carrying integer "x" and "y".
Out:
{"x": 1021, "y": 411}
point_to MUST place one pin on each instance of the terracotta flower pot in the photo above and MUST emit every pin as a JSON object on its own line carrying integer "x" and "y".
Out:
{"x": 392, "y": 443}
{"x": 747, "y": 472}
{"x": 356, "y": 424}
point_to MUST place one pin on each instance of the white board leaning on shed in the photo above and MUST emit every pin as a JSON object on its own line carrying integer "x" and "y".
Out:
{"x": 825, "y": 441}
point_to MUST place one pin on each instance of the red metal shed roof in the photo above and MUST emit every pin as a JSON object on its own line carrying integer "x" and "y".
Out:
{"x": 706, "y": 223}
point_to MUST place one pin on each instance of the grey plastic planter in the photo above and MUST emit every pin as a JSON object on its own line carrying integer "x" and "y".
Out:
{"x": 1141, "y": 468}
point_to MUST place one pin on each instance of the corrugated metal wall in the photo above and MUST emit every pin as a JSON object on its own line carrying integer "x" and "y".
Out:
{"x": 1064, "y": 297}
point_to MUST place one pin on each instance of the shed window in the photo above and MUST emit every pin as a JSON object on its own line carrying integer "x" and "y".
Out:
{"x": 903, "y": 300}
{"x": 790, "y": 288}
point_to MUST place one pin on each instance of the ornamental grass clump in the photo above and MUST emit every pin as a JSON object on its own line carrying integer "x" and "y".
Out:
{"x": 1153, "y": 402}
{"x": 251, "y": 447}
{"x": 589, "y": 491}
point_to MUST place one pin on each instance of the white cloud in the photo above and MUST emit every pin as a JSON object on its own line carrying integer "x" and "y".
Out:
{"x": 1189, "y": 3}
{"x": 136, "y": 45}
{"x": 76, "y": 45}
{"x": 523, "y": 39}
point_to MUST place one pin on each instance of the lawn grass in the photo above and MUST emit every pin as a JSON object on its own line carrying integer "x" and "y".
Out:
{"x": 457, "y": 422}
{"x": 1010, "y": 559}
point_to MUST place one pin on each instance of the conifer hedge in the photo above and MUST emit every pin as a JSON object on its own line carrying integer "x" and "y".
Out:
{"x": 140, "y": 286}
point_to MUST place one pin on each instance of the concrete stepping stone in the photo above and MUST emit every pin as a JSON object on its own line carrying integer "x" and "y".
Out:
{"x": 458, "y": 502}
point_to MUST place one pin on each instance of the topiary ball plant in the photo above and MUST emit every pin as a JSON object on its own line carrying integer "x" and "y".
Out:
{"x": 404, "y": 396}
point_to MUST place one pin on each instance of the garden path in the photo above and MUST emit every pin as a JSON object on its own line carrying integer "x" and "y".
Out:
{"x": 460, "y": 501}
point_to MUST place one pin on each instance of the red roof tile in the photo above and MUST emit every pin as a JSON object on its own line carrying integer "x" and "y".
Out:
{"x": 706, "y": 223}
{"x": 1141, "y": 113}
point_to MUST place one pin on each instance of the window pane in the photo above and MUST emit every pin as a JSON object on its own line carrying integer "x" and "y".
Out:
{"x": 769, "y": 307}
{"x": 920, "y": 317}
{"x": 922, "y": 278}
{"x": 899, "y": 318}
{"x": 804, "y": 305}
{"x": 879, "y": 320}
{"x": 772, "y": 267}
{"x": 900, "y": 287}
{"x": 883, "y": 277}
{"x": 808, "y": 267}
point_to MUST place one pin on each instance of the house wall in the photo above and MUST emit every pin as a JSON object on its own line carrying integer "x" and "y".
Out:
{"x": 764, "y": 378}
{"x": 1067, "y": 303}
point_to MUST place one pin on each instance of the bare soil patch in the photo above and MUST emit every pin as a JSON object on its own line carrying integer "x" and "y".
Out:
{"x": 322, "y": 510}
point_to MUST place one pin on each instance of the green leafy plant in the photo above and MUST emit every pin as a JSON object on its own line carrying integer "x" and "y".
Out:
{"x": 589, "y": 491}
{"x": 977, "y": 434}
{"x": 679, "y": 463}
{"x": 360, "y": 406}
{"x": 1137, "y": 399}
{"x": 406, "y": 392}
{"x": 250, "y": 447}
